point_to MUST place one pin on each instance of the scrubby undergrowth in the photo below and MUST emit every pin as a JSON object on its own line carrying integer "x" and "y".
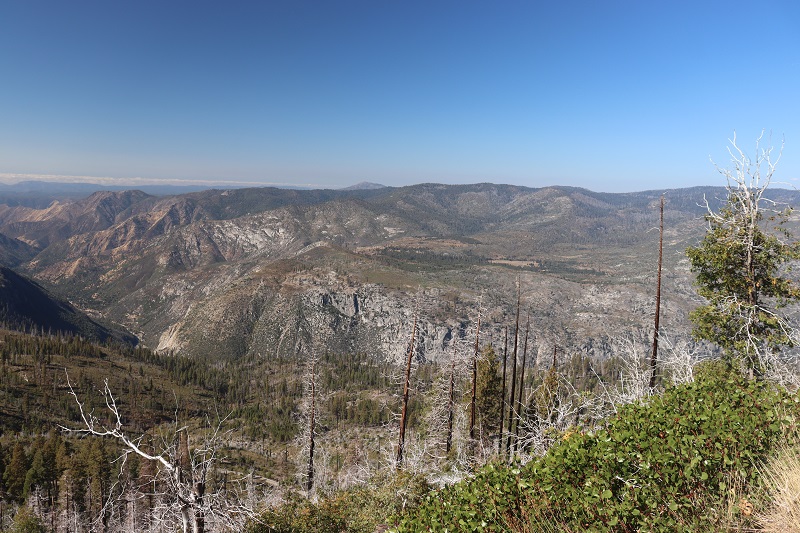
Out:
{"x": 672, "y": 462}
{"x": 685, "y": 460}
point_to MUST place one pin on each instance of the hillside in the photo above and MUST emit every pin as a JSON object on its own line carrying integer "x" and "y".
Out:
{"x": 35, "y": 368}
{"x": 222, "y": 272}
{"x": 25, "y": 305}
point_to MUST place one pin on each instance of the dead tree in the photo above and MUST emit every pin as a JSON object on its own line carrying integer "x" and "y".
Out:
{"x": 311, "y": 435}
{"x": 522, "y": 381}
{"x": 309, "y": 439}
{"x": 451, "y": 399}
{"x": 511, "y": 410}
{"x": 503, "y": 404}
{"x": 654, "y": 356}
{"x": 406, "y": 386}
{"x": 474, "y": 379}
{"x": 181, "y": 470}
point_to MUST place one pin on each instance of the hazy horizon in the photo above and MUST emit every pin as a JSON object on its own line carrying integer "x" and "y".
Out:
{"x": 7, "y": 179}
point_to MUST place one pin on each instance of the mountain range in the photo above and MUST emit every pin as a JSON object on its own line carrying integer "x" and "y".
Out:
{"x": 225, "y": 274}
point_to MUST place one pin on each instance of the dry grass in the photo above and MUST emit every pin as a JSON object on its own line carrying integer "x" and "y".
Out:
{"x": 737, "y": 512}
{"x": 782, "y": 482}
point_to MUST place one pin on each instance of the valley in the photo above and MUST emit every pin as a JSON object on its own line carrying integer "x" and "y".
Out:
{"x": 208, "y": 272}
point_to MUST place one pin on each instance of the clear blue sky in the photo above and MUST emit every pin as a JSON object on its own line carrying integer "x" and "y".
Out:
{"x": 611, "y": 95}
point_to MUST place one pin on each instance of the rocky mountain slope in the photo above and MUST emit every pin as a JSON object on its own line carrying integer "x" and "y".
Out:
{"x": 254, "y": 272}
{"x": 25, "y": 305}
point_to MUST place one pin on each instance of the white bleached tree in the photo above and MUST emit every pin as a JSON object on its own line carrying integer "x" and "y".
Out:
{"x": 181, "y": 487}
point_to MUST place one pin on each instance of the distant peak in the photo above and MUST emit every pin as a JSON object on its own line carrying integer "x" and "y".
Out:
{"x": 364, "y": 185}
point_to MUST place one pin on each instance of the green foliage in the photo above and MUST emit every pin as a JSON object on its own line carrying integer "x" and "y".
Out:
{"x": 26, "y": 522}
{"x": 545, "y": 399}
{"x": 15, "y": 472}
{"x": 57, "y": 470}
{"x": 361, "y": 509}
{"x": 741, "y": 271}
{"x": 489, "y": 392}
{"x": 648, "y": 470}
{"x": 480, "y": 504}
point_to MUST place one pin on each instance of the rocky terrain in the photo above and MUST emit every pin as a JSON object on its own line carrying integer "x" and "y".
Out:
{"x": 255, "y": 272}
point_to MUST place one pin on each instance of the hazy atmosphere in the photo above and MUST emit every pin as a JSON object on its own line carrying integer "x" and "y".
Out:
{"x": 611, "y": 96}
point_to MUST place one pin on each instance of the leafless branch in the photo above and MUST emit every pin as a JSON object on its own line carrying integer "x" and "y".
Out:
{"x": 180, "y": 482}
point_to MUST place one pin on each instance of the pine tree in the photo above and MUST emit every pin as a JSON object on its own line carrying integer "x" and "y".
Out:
{"x": 741, "y": 269}
{"x": 15, "y": 473}
{"x": 27, "y": 522}
{"x": 35, "y": 477}
{"x": 489, "y": 392}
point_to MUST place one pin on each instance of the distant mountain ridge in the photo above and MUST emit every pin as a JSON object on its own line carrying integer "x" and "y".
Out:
{"x": 214, "y": 273}
{"x": 364, "y": 185}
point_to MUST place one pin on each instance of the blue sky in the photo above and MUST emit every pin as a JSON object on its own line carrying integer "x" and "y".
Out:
{"x": 612, "y": 95}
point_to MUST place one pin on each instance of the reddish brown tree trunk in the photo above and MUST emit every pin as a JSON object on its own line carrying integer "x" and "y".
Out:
{"x": 402, "y": 440}
{"x": 654, "y": 356}
{"x": 503, "y": 403}
{"x": 513, "y": 375}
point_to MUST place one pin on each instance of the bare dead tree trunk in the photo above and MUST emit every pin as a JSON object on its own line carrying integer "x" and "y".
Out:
{"x": 199, "y": 518}
{"x": 182, "y": 470}
{"x": 451, "y": 399}
{"x": 184, "y": 460}
{"x": 402, "y": 440}
{"x": 654, "y": 356}
{"x": 474, "y": 379}
{"x": 522, "y": 381}
{"x": 513, "y": 373}
{"x": 503, "y": 403}
{"x": 312, "y": 427}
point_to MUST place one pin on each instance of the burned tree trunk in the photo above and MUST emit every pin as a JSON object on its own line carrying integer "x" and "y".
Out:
{"x": 654, "y": 356}
{"x": 503, "y": 403}
{"x": 513, "y": 375}
{"x": 407, "y": 384}
{"x": 451, "y": 400}
{"x": 521, "y": 381}
{"x": 312, "y": 427}
{"x": 474, "y": 379}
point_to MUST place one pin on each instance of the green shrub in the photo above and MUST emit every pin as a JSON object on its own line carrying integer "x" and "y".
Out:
{"x": 660, "y": 465}
{"x": 359, "y": 509}
{"x": 26, "y": 522}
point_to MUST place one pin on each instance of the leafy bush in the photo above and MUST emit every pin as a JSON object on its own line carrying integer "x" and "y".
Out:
{"x": 664, "y": 464}
{"x": 26, "y": 522}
